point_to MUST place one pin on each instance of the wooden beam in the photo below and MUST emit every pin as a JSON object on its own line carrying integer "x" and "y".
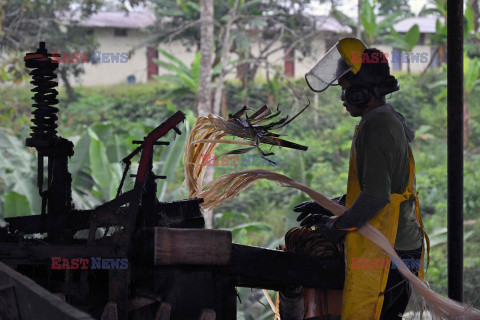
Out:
{"x": 8, "y": 303}
{"x": 192, "y": 246}
{"x": 34, "y": 302}
{"x": 256, "y": 267}
{"x": 42, "y": 252}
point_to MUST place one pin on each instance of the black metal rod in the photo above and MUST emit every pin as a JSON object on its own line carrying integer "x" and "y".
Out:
{"x": 455, "y": 147}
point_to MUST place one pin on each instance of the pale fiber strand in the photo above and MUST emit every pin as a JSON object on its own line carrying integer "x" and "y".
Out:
{"x": 229, "y": 185}
{"x": 206, "y": 134}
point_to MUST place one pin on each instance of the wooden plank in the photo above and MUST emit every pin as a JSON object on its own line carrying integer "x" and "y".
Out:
{"x": 118, "y": 291}
{"x": 163, "y": 312}
{"x": 110, "y": 312}
{"x": 140, "y": 302}
{"x": 255, "y": 267}
{"x": 35, "y": 302}
{"x": 192, "y": 246}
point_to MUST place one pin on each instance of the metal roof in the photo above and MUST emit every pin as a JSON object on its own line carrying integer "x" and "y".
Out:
{"x": 425, "y": 24}
{"x": 327, "y": 23}
{"x": 142, "y": 19}
{"x": 120, "y": 19}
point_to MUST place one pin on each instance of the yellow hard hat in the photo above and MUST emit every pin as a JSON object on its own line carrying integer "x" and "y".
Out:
{"x": 344, "y": 56}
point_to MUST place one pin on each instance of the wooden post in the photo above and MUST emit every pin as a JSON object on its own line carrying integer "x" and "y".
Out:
{"x": 118, "y": 291}
{"x": 110, "y": 312}
{"x": 8, "y": 303}
{"x": 207, "y": 314}
{"x": 163, "y": 312}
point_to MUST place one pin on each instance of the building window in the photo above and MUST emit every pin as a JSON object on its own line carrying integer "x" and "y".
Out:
{"x": 435, "y": 55}
{"x": 421, "y": 40}
{"x": 120, "y": 32}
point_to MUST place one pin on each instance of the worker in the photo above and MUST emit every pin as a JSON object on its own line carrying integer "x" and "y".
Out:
{"x": 380, "y": 188}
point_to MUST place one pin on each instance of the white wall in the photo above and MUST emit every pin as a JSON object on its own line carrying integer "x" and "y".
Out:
{"x": 113, "y": 73}
{"x": 423, "y": 52}
{"x": 305, "y": 64}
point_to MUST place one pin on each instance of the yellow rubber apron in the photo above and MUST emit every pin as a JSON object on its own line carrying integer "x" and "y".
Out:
{"x": 367, "y": 265}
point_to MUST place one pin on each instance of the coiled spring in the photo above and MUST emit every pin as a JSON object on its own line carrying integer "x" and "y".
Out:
{"x": 44, "y": 115}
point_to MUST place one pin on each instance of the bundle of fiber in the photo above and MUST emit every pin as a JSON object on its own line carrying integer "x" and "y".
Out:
{"x": 229, "y": 185}
{"x": 310, "y": 242}
{"x": 317, "y": 303}
{"x": 205, "y": 135}
{"x": 211, "y": 130}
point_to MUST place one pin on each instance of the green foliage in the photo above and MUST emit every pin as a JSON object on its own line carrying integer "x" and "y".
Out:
{"x": 15, "y": 204}
{"x": 389, "y": 6}
{"x": 373, "y": 28}
{"x": 25, "y": 23}
{"x": 181, "y": 79}
{"x": 404, "y": 42}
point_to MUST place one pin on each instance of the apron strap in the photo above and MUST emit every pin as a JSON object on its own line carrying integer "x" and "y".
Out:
{"x": 409, "y": 192}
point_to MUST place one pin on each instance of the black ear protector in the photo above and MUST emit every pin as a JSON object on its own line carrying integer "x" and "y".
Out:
{"x": 360, "y": 94}
{"x": 357, "y": 95}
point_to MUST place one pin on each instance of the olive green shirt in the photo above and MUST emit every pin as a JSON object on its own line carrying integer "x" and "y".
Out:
{"x": 383, "y": 168}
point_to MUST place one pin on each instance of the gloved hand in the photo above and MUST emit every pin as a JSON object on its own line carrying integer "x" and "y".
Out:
{"x": 310, "y": 208}
{"x": 325, "y": 226}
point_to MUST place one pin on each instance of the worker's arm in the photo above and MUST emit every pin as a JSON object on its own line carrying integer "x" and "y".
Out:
{"x": 363, "y": 209}
{"x": 375, "y": 152}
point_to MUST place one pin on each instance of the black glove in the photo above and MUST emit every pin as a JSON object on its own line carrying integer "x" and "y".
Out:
{"x": 325, "y": 226}
{"x": 310, "y": 208}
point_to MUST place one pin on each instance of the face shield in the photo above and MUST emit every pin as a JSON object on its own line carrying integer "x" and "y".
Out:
{"x": 334, "y": 64}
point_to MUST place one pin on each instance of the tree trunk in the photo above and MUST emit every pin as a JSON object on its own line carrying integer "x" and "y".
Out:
{"x": 476, "y": 15}
{"x": 227, "y": 43}
{"x": 467, "y": 127}
{"x": 359, "y": 19}
{"x": 204, "y": 105}
{"x": 68, "y": 86}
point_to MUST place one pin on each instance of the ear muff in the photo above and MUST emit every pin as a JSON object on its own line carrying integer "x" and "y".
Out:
{"x": 357, "y": 95}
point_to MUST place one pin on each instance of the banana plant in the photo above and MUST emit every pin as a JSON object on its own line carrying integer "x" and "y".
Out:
{"x": 170, "y": 159}
{"x": 183, "y": 78}
{"x": 405, "y": 42}
{"x": 373, "y": 28}
{"x": 439, "y": 237}
{"x": 95, "y": 168}
{"x": 18, "y": 192}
